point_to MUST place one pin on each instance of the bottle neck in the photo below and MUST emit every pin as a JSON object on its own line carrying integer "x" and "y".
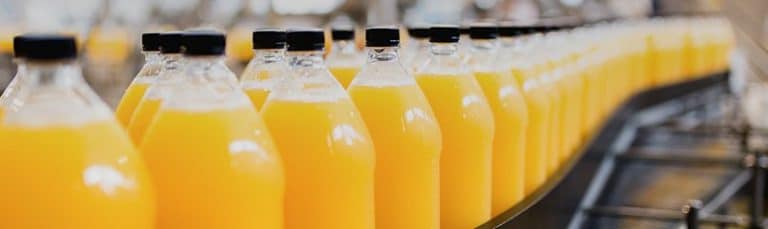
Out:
{"x": 171, "y": 61}
{"x": 484, "y": 45}
{"x": 152, "y": 57}
{"x": 53, "y": 73}
{"x": 444, "y": 49}
{"x": 306, "y": 59}
{"x": 269, "y": 55}
{"x": 344, "y": 47}
{"x": 382, "y": 54}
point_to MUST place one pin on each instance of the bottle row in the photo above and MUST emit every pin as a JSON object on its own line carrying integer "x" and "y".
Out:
{"x": 447, "y": 131}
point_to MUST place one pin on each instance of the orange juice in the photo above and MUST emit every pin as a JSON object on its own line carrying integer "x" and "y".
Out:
{"x": 344, "y": 75}
{"x": 466, "y": 122}
{"x": 130, "y": 101}
{"x": 326, "y": 148}
{"x": 327, "y": 151}
{"x": 257, "y": 96}
{"x": 536, "y": 141}
{"x": 511, "y": 119}
{"x": 142, "y": 118}
{"x": 93, "y": 179}
{"x": 66, "y": 161}
{"x": 214, "y": 168}
{"x": 555, "y": 132}
{"x": 408, "y": 142}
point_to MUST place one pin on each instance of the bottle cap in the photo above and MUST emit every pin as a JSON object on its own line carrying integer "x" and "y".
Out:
{"x": 483, "y": 31}
{"x": 170, "y": 42}
{"x": 382, "y": 37}
{"x": 49, "y": 47}
{"x": 464, "y": 30}
{"x": 19, "y": 46}
{"x": 444, "y": 33}
{"x": 305, "y": 40}
{"x": 342, "y": 34}
{"x": 419, "y": 32}
{"x": 513, "y": 30}
{"x": 203, "y": 43}
{"x": 268, "y": 39}
{"x": 150, "y": 42}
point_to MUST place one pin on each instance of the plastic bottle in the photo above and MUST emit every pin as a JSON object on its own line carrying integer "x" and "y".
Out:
{"x": 153, "y": 62}
{"x": 267, "y": 67}
{"x": 170, "y": 48}
{"x": 510, "y": 116}
{"x": 405, "y": 133}
{"x": 327, "y": 150}
{"x": 211, "y": 158}
{"x": 71, "y": 165}
{"x": 467, "y": 125}
{"x": 344, "y": 60}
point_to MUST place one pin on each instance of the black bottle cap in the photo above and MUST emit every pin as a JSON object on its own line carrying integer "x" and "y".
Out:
{"x": 342, "y": 34}
{"x": 150, "y": 41}
{"x": 444, "y": 33}
{"x": 419, "y": 32}
{"x": 513, "y": 30}
{"x": 382, "y": 37}
{"x": 170, "y": 42}
{"x": 268, "y": 39}
{"x": 203, "y": 43}
{"x": 305, "y": 40}
{"x": 19, "y": 46}
{"x": 483, "y": 31}
{"x": 49, "y": 47}
{"x": 464, "y": 30}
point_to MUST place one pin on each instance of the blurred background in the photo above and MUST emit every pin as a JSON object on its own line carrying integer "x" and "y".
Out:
{"x": 108, "y": 30}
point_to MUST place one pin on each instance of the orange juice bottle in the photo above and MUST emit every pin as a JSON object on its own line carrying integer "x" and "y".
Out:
{"x": 11, "y": 91}
{"x": 211, "y": 158}
{"x": 416, "y": 51}
{"x": 170, "y": 47}
{"x": 467, "y": 125}
{"x": 510, "y": 116}
{"x": 71, "y": 165}
{"x": 345, "y": 59}
{"x": 326, "y": 149}
{"x": 267, "y": 66}
{"x": 150, "y": 45}
{"x": 539, "y": 107}
{"x": 405, "y": 133}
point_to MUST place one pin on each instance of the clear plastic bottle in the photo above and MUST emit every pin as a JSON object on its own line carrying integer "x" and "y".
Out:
{"x": 153, "y": 63}
{"x": 170, "y": 48}
{"x": 405, "y": 133}
{"x": 71, "y": 166}
{"x": 510, "y": 116}
{"x": 344, "y": 60}
{"x": 467, "y": 125}
{"x": 267, "y": 67}
{"x": 326, "y": 149}
{"x": 209, "y": 141}
{"x": 416, "y": 52}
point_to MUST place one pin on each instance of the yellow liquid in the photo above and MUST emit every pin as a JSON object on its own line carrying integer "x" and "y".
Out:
{"x": 536, "y": 154}
{"x": 258, "y": 96}
{"x": 466, "y": 122}
{"x": 344, "y": 75}
{"x": 85, "y": 176}
{"x": 408, "y": 143}
{"x": 214, "y": 169}
{"x": 555, "y": 132}
{"x": 142, "y": 118}
{"x": 130, "y": 100}
{"x": 510, "y": 116}
{"x": 329, "y": 163}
